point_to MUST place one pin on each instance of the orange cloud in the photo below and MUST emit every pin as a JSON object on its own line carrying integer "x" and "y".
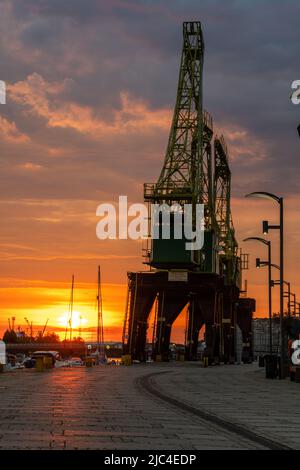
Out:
{"x": 243, "y": 145}
{"x": 10, "y": 133}
{"x": 41, "y": 98}
{"x": 29, "y": 166}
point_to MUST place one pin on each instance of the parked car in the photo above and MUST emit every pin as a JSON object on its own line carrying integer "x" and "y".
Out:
{"x": 29, "y": 363}
{"x": 54, "y": 355}
{"x": 75, "y": 362}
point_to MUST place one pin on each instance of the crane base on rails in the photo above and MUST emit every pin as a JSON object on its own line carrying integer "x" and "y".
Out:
{"x": 163, "y": 295}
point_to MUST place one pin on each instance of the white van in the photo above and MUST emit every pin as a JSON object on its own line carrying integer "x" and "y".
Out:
{"x": 2, "y": 353}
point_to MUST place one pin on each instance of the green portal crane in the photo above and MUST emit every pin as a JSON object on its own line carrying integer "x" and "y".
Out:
{"x": 204, "y": 280}
{"x": 227, "y": 244}
{"x": 190, "y": 174}
{"x": 183, "y": 176}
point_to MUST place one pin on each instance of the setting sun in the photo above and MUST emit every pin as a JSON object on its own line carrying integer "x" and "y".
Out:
{"x": 77, "y": 320}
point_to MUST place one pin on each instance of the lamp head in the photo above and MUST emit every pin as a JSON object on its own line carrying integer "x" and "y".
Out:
{"x": 264, "y": 195}
{"x": 258, "y": 239}
{"x": 265, "y": 226}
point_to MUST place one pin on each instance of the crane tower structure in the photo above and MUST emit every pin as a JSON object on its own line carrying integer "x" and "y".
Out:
{"x": 207, "y": 281}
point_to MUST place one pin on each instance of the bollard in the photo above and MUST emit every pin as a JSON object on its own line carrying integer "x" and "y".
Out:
{"x": 261, "y": 361}
{"x": 296, "y": 374}
{"x": 88, "y": 361}
{"x": 271, "y": 366}
{"x": 205, "y": 361}
{"x": 48, "y": 362}
{"x": 126, "y": 359}
{"x": 39, "y": 364}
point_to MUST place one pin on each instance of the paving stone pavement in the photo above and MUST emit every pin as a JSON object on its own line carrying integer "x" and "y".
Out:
{"x": 241, "y": 395}
{"x": 105, "y": 408}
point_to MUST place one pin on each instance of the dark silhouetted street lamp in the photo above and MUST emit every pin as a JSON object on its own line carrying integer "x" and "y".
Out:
{"x": 266, "y": 228}
{"x": 288, "y": 295}
{"x": 294, "y": 303}
{"x": 268, "y": 263}
{"x": 298, "y": 305}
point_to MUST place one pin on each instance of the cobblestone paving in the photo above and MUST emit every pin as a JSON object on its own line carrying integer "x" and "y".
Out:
{"x": 241, "y": 395}
{"x": 103, "y": 408}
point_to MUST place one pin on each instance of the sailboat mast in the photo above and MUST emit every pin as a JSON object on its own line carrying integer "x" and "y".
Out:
{"x": 99, "y": 313}
{"x": 71, "y": 308}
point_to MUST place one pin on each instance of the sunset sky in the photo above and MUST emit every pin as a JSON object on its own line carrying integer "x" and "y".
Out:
{"x": 91, "y": 87}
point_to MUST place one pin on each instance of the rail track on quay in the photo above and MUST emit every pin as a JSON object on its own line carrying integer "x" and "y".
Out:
{"x": 147, "y": 384}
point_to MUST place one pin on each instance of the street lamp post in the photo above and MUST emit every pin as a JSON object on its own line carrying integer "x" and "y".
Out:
{"x": 266, "y": 227}
{"x": 298, "y": 305}
{"x": 288, "y": 295}
{"x": 269, "y": 264}
{"x": 294, "y": 303}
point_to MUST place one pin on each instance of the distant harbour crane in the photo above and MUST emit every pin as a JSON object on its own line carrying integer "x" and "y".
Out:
{"x": 45, "y": 326}
{"x": 30, "y": 327}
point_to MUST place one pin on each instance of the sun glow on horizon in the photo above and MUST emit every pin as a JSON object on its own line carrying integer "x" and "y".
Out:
{"x": 78, "y": 320}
